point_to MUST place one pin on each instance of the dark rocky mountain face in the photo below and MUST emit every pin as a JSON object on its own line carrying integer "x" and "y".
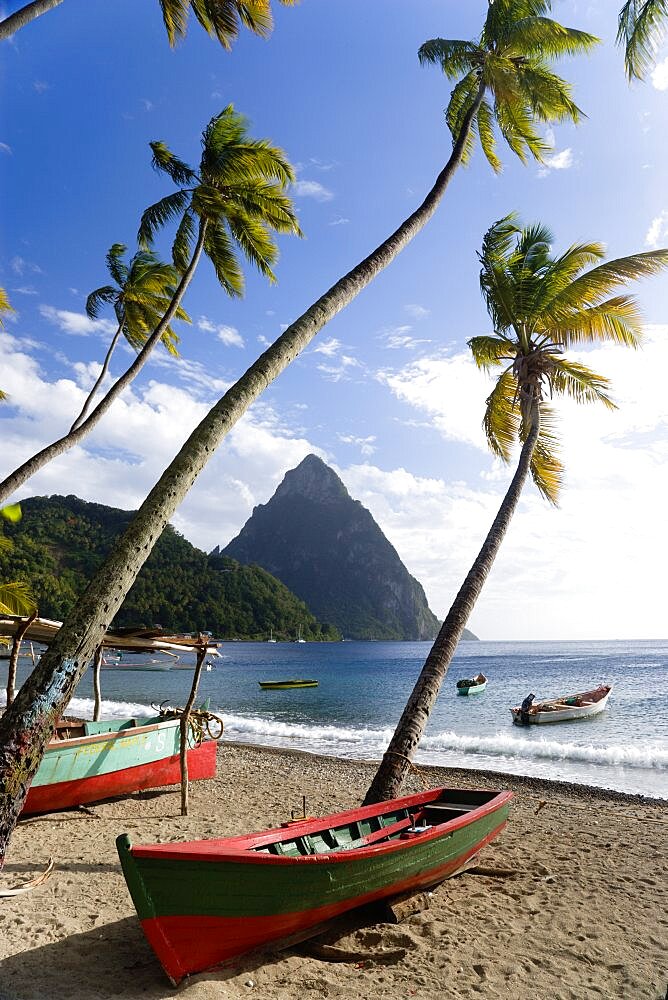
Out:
{"x": 328, "y": 550}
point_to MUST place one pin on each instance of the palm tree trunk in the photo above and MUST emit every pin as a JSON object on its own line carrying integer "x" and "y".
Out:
{"x": 81, "y": 428}
{"x": 99, "y": 380}
{"x": 398, "y": 757}
{"x": 97, "y": 688}
{"x": 14, "y": 656}
{"x": 26, "y": 728}
{"x": 14, "y": 22}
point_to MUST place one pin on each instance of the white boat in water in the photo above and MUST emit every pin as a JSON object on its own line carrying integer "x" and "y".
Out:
{"x": 571, "y": 706}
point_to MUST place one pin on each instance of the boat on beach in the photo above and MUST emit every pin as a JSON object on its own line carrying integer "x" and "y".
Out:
{"x": 572, "y": 706}
{"x": 287, "y": 685}
{"x": 89, "y": 761}
{"x": 204, "y": 902}
{"x": 472, "y": 685}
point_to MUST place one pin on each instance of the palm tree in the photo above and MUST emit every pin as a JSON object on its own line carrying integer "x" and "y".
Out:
{"x": 503, "y": 77}
{"x": 540, "y": 305}
{"x": 227, "y": 209}
{"x": 220, "y": 18}
{"x": 641, "y": 26}
{"x": 508, "y": 63}
{"x": 141, "y": 296}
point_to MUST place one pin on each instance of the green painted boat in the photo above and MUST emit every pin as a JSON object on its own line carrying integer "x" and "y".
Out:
{"x": 472, "y": 685}
{"x": 90, "y": 761}
{"x": 286, "y": 685}
{"x": 205, "y": 902}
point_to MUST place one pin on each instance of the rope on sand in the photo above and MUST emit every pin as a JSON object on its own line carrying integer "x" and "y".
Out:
{"x": 32, "y": 884}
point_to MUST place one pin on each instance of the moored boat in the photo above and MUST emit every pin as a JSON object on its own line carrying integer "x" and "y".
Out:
{"x": 287, "y": 685}
{"x": 472, "y": 685}
{"x": 89, "y": 761}
{"x": 205, "y": 902}
{"x": 573, "y": 706}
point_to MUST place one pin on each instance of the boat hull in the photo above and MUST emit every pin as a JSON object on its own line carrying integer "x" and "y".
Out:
{"x": 286, "y": 685}
{"x": 566, "y": 714}
{"x": 108, "y": 763}
{"x": 200, "y": 911}
{"x": 474, "y": 689}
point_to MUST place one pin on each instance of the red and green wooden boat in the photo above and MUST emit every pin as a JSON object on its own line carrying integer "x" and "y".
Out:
{"x": 205, "y": 902}
{"x": 90, "y": 761}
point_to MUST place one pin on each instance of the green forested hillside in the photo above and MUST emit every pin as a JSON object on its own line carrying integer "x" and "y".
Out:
{"x": 61, "y": 541}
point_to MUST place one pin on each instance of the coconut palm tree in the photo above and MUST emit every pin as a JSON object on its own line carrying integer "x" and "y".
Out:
{"x": 642, "y": 24}
{"x": 220, "y": 18}
{"x": 503, "y": 80}
{"x": 141, "y": 296}
{"x": 509, "y": 63}
{"x": 540, "y": 305}
{"x": 227, "y": 209}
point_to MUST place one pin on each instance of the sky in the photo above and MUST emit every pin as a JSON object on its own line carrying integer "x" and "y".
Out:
{"x": 387, "y": 393}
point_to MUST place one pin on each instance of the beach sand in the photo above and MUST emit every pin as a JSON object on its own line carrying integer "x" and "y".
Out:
{"x": 586, "y": 914}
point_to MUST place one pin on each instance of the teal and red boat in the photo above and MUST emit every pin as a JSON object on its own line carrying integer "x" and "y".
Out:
{"x": 204, "y": 902}
{"x": 90, "y": 761}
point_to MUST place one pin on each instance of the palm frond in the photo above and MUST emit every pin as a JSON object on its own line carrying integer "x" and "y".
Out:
{"x": 184, "y": 240}
{"x": 461, "y": 100}
{"x": 5, "y": 307}
{"x": 105, "y": 295}
{"x": 16, "y": 599}
{"x": 547, "y": 471}
{"x": 580, "y": 383}
{"x": 591, "y": 288}
{"x": 617, "y": 319}
{"x": 489, "y": 351}
{"x": 485, "y": 127}
{"x": 158, "y": 215}
{"x": 220, "y": 251}
{"x": 454, "y": 56}
{"x": 501, "y": 422}
{"x": 641, "y": 27}
{"x": 178, "y": 170}
{"x": 541, "y": 36}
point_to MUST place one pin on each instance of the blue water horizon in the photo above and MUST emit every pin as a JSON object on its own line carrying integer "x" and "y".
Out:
{"x": 363, "y": 688}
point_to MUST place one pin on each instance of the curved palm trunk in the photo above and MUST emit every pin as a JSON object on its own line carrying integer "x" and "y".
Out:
{"x": 300, "y": 333}
{"x": 26, "y": 728}
{"x": 398, "y": 757}
{"x": 14, "y": 22}
{"x": 100, "y": 379}
{"x": 81, "y": 428}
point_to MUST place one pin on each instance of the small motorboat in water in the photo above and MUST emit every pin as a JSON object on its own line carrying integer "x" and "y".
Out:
{"x": 572, "y": 706}
{"x": 472, "y": 685}
{"x": 287, "y": 685}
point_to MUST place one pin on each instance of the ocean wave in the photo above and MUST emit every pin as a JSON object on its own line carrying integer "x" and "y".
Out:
{"x": 342, "y": 741}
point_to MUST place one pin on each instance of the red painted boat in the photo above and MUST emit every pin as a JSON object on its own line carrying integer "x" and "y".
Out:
{"x": 205, "y": 902}
{"x": 89, "y": 761}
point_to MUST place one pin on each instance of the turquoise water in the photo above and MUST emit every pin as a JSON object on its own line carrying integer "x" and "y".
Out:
{"x": 363, "y": 687}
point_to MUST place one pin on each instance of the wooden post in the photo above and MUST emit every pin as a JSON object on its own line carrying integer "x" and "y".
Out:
{"x": 97, "y": 663}
{"x": 14, "y": 656}
{"x": 201, "y": 654}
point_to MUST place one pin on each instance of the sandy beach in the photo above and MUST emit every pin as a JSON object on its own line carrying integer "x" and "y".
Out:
{"x": 585, "y": 915}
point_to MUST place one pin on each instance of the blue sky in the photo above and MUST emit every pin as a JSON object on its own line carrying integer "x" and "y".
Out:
{"x": 386, "y": 393}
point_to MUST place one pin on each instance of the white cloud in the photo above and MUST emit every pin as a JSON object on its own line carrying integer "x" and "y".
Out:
{"x": 4, "y": 148}
{"x": 340, "y": 221}
{"x": 25, "y": 290}
{"x": 365, "y": 444}
{"x": 147, "y": 105}
{"x": 41, "y": 86}
{"x": 658, "y": 230}
{"x": 660, "y": 75}
{"x": 329, "y": 347}
{"x": 21, "y": 266}
{"x": 560, "y": 161}
{"x": 312, "y": 189}
{"x": 76, "y": 323}
{"x": 228, "y": 335}
{"x": 416, "y": 311}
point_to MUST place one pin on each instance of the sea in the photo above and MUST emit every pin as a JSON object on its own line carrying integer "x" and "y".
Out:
{"x": 363, "y": 687}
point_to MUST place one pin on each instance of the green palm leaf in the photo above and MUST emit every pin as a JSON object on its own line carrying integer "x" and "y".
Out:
{"x": 16, "y": 599}
{"x": 641, "y": 27}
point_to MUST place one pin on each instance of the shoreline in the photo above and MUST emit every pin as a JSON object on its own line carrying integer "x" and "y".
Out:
{"x": 507, "y": 778}
{"x": 581, "y": 916}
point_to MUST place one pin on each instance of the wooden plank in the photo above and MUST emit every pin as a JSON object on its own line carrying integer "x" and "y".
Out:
{"x": 405, "y": 906}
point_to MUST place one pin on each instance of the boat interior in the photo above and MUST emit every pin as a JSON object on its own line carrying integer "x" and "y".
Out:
{"x": 72, "y": 729}
{"x": 380, "y": 828}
